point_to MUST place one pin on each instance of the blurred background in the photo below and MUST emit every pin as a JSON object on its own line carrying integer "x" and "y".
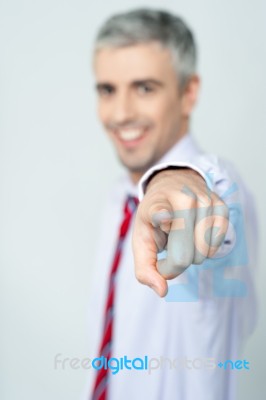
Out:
{"x": 56, "y": 167}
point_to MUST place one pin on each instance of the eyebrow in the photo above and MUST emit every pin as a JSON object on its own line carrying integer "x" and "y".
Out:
{"x": 147, "y": 80}
{"x": 100, "y": 85}
{"x": 135, "y": 83}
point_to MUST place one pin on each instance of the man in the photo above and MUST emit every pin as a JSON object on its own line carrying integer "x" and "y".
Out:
{"x": 193, "y": 230}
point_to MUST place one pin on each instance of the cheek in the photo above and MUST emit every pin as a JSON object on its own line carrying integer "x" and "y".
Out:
{"x": 163, "y": 114}
{"x": 167, "y": 121}
{"x": 166, "y": 107}
{"x": 172, "y": 112}
{"x": 156, "y": 110}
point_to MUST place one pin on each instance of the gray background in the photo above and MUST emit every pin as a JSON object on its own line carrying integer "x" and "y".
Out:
{"x": 56, "y": 167}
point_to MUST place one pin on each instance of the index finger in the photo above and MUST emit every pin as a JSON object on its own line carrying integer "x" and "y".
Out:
{"x": 145, "y": 257}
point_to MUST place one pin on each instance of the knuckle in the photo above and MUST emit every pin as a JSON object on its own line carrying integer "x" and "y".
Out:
{"x": 183, "y": 200}
{"x": 220, "y": 207}
{"x": 153, "y": 205}
{"x": 204, "y": 199}
{"x": 181, "y": 262}
{"x": 186, "y": 261}
{"x": 225, "y": 210}
{"x": 198, "y": 259}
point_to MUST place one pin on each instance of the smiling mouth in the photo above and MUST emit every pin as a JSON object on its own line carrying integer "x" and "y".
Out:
{"x": 130, "y": 136}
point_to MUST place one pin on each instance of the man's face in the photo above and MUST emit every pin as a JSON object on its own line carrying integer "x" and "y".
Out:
{"x": 140, "y": 104}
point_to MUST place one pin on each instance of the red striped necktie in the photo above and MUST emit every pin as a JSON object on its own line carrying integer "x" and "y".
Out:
{"x": 101, "y": 381}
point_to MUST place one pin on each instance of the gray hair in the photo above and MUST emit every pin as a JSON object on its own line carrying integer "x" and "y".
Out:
{"x": 148, "y": 25}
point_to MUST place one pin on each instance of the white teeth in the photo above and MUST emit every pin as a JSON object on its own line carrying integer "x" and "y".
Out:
{"x": 130, "y": 134}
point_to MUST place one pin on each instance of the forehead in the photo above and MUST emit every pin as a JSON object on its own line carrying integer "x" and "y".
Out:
{"x": 140, "y": 61}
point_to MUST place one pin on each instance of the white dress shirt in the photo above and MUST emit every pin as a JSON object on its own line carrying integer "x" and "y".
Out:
{"x": 206, "y": 315}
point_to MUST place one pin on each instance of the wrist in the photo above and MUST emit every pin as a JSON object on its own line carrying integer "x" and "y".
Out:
{"x": 170, "y": 173}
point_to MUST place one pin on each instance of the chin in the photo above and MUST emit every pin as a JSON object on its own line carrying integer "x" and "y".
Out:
{"x": 137, "y": 168}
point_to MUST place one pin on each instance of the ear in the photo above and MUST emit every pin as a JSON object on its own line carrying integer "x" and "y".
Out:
{"x": 190, "y": 95}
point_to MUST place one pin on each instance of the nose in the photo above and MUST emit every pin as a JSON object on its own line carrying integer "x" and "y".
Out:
{"x": 123, "y": 107}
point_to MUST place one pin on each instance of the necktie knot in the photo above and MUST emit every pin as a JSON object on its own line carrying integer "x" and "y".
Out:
{"x": 130, "y": 206}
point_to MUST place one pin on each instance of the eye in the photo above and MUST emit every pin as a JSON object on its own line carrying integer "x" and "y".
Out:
{"x": 145, "y": 88}
{"x": 105, "y": 90}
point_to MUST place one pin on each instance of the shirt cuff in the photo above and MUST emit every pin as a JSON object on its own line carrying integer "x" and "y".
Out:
{"x": 160, "y": 167}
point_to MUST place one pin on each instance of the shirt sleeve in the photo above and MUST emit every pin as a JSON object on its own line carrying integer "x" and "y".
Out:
{"x": 162, "y": 166}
